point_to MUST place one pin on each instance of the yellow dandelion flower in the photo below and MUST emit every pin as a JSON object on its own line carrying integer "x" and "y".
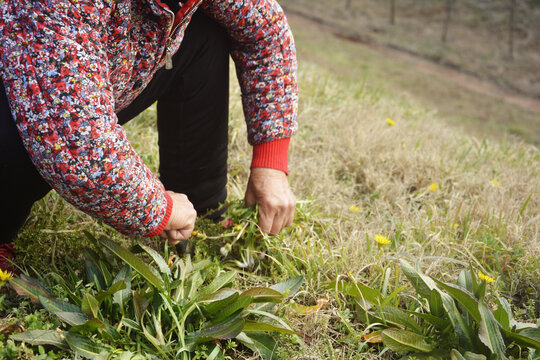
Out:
{"x": 5, "y": 275}
{"x": 485, "y": 277}
{"x": 354, "y": 209}
{"x": 390, "y": 122}
{"x": 194, "y": 233}
{"x": 172, "y": 258}
{"x": 433, "y": 187}
{"x": 496, "y": 183}
{"x": 382, "y": 240}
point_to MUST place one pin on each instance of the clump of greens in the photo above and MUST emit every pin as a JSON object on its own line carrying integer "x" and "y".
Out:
{"x": 166, "y": 307}
{"x": 445, "y": 320}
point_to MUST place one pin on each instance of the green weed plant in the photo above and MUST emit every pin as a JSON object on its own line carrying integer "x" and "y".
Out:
{"x": 445, "y": 321}
{"x": 128, "y": 308}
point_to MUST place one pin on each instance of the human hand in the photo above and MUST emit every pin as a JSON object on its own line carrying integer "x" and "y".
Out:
{"x": 182, "y": 220}
{"x": 269, "y": 188}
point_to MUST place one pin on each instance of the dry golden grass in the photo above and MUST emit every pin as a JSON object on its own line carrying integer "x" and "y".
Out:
{"x": 483, "y": 209}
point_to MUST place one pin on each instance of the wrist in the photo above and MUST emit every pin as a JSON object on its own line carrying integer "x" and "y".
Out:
{"x": 166, "y": 218}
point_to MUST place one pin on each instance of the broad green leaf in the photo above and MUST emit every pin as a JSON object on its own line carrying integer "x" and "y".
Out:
{"x": 399, "y": 318}
{"x": 141, "y": 303}
{"x": 436, "y": 307}
{"x": 122, "y": 296}
{"x": 92, "y": 271}
{"x": 107, "y": 276}
{"x": 503, "y": 314}
{"x": 480, "y": 291}
{"x": 240, "y": 304}
{"x": 251, "y": 326}
{"x": 68, "y": 313}
{"x": 201, "y": 265}
{"x": 361, "y": 292}
{"x": 527, "y": 337}
{"x": 461, "y": 327}
{"x": 290, "y": 287}
{"x": 110, "y": 333}
{"x": 404, "y": 340}
{"x": 131, "y": 324}
{"x": 113, "y": 289}
{"x": 439, "y": 323}
{"x": 422, "y": 283}
{"x": 137, "y": 264}
{"x": 213, "y": 307}
{"x": 489, "y": 332}
{"x": 219, "y": 282}
{"x": 42, "y": 337}
{"x": 263, "y": 294}
{"x": 221, "y": 332}
{"x": 72, "y": 318}
{"x": 263, "y": 344}
{"x": 89, "y": 305}
{"x": 26, "y": 286}
{"x": 464, "y": 297}
{"x": 159, "y": 260}
{"x": 465, "y": 281}
{"x": 195, "y": 283}
{"x": 86, "y": 347}
{"x": 456, "y": 355}
{"x": 89, "y": 326}
{"x": 56, "y": 305}
{"x": 473, "y": 356}
{"x": 221, "y": 294}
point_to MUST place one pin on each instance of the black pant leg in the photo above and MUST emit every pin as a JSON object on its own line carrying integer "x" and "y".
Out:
{"x": 193, "y": 118}
{"x": 20, "y": 183}
{"x": 193, "y": 103}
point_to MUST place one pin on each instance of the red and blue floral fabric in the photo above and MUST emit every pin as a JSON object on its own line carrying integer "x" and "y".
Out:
{"x": 68, "y": 67}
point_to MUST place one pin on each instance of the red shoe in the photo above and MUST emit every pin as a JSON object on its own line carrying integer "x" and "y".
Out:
{"x": 6, "y": 258}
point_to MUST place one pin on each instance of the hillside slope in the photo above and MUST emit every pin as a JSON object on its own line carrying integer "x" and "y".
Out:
{"x": 443, "y": 195}
{"x": 477, "y": 41}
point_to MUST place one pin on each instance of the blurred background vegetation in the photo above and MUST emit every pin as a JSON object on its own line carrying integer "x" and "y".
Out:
{"x": 497, "y": 40}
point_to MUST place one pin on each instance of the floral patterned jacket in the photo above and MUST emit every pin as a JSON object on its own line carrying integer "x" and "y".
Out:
{"x": 69, "y": 66}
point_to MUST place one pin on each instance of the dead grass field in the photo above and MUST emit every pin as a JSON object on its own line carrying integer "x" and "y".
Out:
{"x": 484, "y": 113}
{"x": 477, "y": 40}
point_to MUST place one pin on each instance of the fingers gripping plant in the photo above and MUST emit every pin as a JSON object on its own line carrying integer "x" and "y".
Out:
{"x": 446, "y": 321}
{"x": 128, "y": 309}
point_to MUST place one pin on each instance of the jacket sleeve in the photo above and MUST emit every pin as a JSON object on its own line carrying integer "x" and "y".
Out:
{"x": 57, "y": 81}
{"x": 265, "y": 57}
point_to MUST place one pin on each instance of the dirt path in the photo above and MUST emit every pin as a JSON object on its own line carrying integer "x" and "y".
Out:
{"x": 457, "y": 77}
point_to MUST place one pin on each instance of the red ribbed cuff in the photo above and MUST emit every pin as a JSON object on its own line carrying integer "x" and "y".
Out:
{"x": 272, "y": 155}
{"x": 166, "y": 218}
